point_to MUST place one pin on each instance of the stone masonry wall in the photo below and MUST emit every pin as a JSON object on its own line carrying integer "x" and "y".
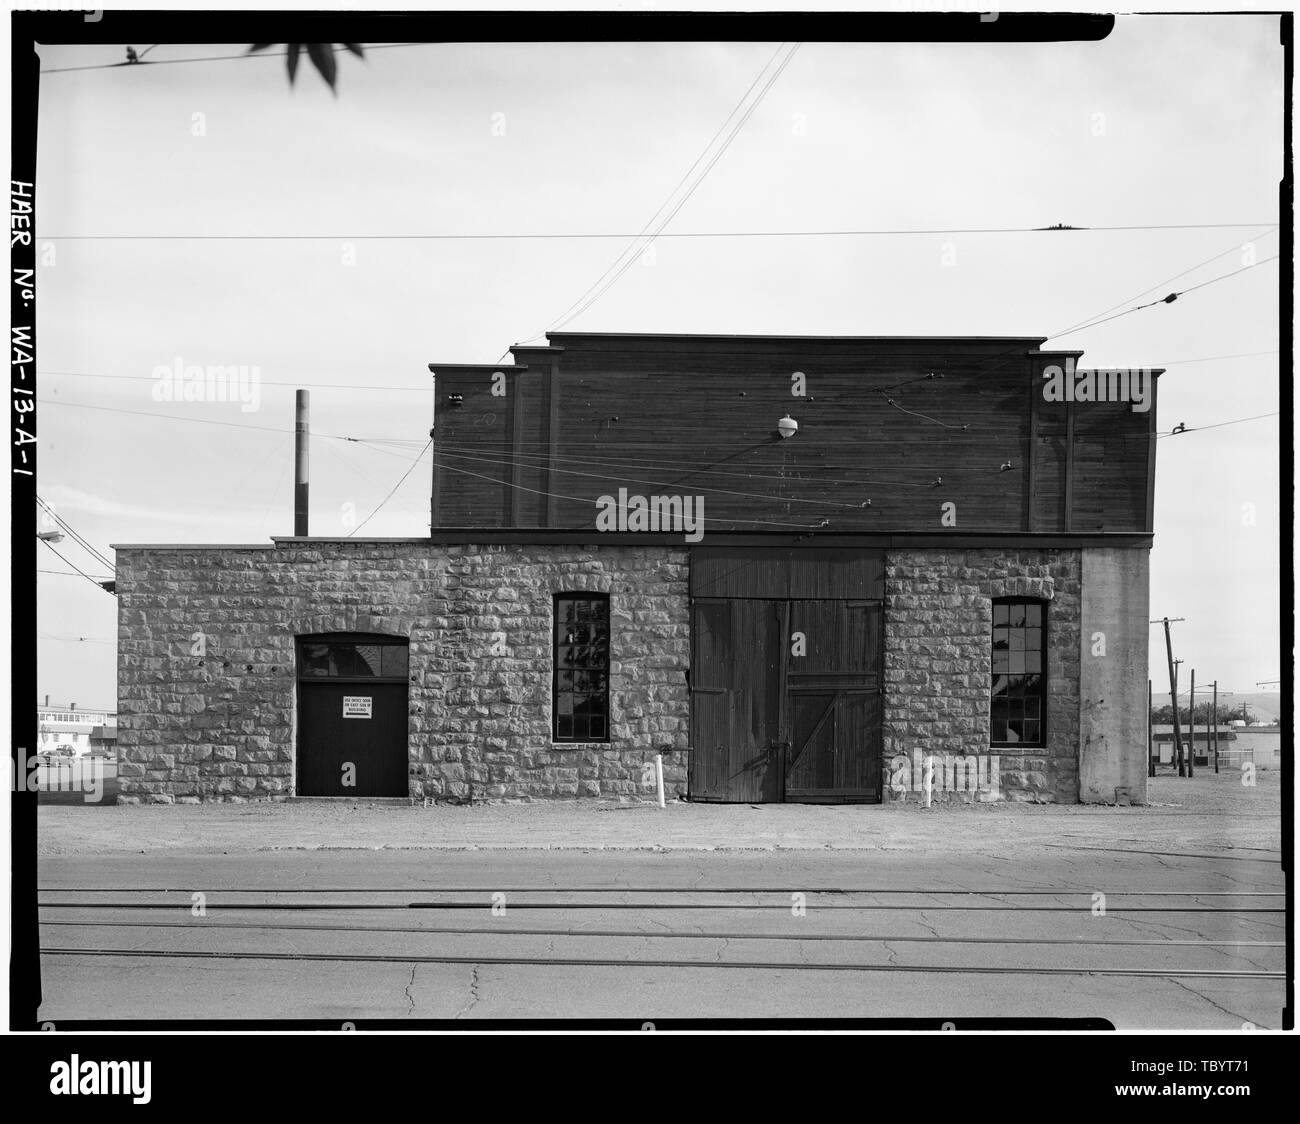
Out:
{"x": 938, "y": 629}
{"x": 207, "y": 683}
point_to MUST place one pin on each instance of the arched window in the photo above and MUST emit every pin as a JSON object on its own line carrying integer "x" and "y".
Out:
{"x": 1018, "y": 706}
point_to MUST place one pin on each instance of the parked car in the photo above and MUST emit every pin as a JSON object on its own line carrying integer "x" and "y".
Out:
{"x": 66, "y": 751}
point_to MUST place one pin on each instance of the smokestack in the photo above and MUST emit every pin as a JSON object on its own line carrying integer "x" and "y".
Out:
{"x": 47, "y": 700}
{"x": 73, "y": 706}
{"x": 301, "y": 436}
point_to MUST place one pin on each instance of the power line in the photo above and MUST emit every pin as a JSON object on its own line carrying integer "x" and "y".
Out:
{"x": 368, "y": 387}
{"x": 195, "y": 421}
{"x": 605, "y": 285}
{"x": 676, "y": 188}
{"x": 579, "y": 235}
{"x": 618, "y": 477}
{"x": 80, "y": 640}
{"x": 261, "y": 382}
{"x": 70, "y": 574}
{"x": 587, "y": 499}
{"x": 1210, "y": 358}
{"x": 216, "y": 58}
{"x": 539, "y": 460}
{"x": 1169, "y": 280}
{"x": 1217, "y": 425}
{"x": 1084, "y": 325}
{"x": 79, "y": 570}
{"x": 1167, "y": 299}
{"x": 946, "y": 425}
{"x": 399, "y": 483}
{"x": 352, "y": 467}
{"x": 102, "y": 559}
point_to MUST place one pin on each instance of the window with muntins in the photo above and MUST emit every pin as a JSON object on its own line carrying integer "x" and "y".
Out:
{"x": 580, "y": 689}
{"x": 1018, "y": 707}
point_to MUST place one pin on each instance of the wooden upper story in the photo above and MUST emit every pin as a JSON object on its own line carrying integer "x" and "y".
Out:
{"x": 890, "y": 431}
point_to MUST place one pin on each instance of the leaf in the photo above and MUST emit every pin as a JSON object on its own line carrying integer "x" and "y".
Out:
{"x": 322, "y": 55}
{"x": 294, "y": 48}
{"x": 355, "y": 48}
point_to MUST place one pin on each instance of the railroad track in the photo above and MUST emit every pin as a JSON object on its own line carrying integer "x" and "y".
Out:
{"x": 713, "y": 902}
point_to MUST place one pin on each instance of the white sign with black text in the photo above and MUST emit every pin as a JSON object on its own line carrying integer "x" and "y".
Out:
{"x": 357, "y": 706}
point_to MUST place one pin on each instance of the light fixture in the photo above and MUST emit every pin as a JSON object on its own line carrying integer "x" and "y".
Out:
{"x": 50, "y": 536}
{"x": 787, "y": 426}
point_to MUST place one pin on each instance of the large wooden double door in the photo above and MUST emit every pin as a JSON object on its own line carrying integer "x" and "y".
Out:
{"x": 785, "y": 700}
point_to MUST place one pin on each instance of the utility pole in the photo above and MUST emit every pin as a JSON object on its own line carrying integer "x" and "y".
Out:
{"x": 1191, "y": 750}
{"x": 1151, "y": 761}
{"x": 1213, "y": 721}
{"x": 1180, "y": 755}
{"x": 1214, "y": 717}
{"x": 1173, "y": 691}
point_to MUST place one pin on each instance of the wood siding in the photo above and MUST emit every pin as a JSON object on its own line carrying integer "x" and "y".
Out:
{"x": 785, "y": 700}
{"x": 781, "y": 574}
{"x": 882, "y": 445}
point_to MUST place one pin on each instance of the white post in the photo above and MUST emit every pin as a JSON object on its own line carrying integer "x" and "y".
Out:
{"x": 929, "y": 779}
{"x": 659, "y": 777}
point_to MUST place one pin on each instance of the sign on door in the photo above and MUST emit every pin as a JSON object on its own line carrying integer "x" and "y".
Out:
{"x": 357, "y": 706}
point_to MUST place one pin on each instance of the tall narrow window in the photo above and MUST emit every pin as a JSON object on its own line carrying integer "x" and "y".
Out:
{"x": 580, "y": 691}
{"x": 1018, "y": 710}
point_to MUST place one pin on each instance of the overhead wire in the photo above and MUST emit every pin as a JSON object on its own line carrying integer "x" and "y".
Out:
{"x": 214, "y": 58}
{"x": 68, "y": 574}
{"x": 538, "y": 460}
{"x": 614, "y": 271}
{"x": 77, "y": 640}
{"x": 618, "y": 478}
{"x": 573, "y": 235}
{"x": 1216, "y": 425}
{"x": 367, "y": 388}
{"x": 399, "y": 483}
{"x": 355, "y": 468}
{"x": 1093, "y": 321}
{"x": 68, "y": 562}
{"x": 1168, "y": 280}
{"x": 1167, "y": 299}
{"x": 587, "y": 499}
{"x": 72, "y": 532}
{"x": 194, "y": 421}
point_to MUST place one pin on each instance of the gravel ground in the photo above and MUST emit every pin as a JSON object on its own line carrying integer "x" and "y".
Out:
{"x": 1206, "y": 814}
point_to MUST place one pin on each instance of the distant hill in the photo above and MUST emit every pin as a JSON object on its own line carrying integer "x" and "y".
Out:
{"x": 1265, "y": 706}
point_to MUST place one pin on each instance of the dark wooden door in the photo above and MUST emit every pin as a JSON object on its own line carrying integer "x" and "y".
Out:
{"x": 352, "y": 729}
{"x": 785, "y": 700}
{"x": 736, "y": 701}
{"x": 833, "y": 681}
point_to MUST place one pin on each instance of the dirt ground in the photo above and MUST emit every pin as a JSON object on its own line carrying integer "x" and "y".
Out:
{"x": 1206, "y": 814}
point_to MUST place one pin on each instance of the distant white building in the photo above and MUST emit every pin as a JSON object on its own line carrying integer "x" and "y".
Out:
{"x": 1260, "y": 745}
{"x": 83, "y": 730}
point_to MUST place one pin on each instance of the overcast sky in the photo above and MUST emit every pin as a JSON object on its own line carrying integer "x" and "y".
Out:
{"x": 1171, "y": 120}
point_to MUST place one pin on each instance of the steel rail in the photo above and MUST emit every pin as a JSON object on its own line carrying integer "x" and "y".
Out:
{"x": 637, "y": 933}
{"x": 607, "y": 962}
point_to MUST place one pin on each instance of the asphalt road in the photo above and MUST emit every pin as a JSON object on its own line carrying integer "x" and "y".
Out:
{"x": 1178, "y": 942}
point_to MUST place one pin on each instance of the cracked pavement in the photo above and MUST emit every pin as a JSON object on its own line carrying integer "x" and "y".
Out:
{"x": 952, "y": 916}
